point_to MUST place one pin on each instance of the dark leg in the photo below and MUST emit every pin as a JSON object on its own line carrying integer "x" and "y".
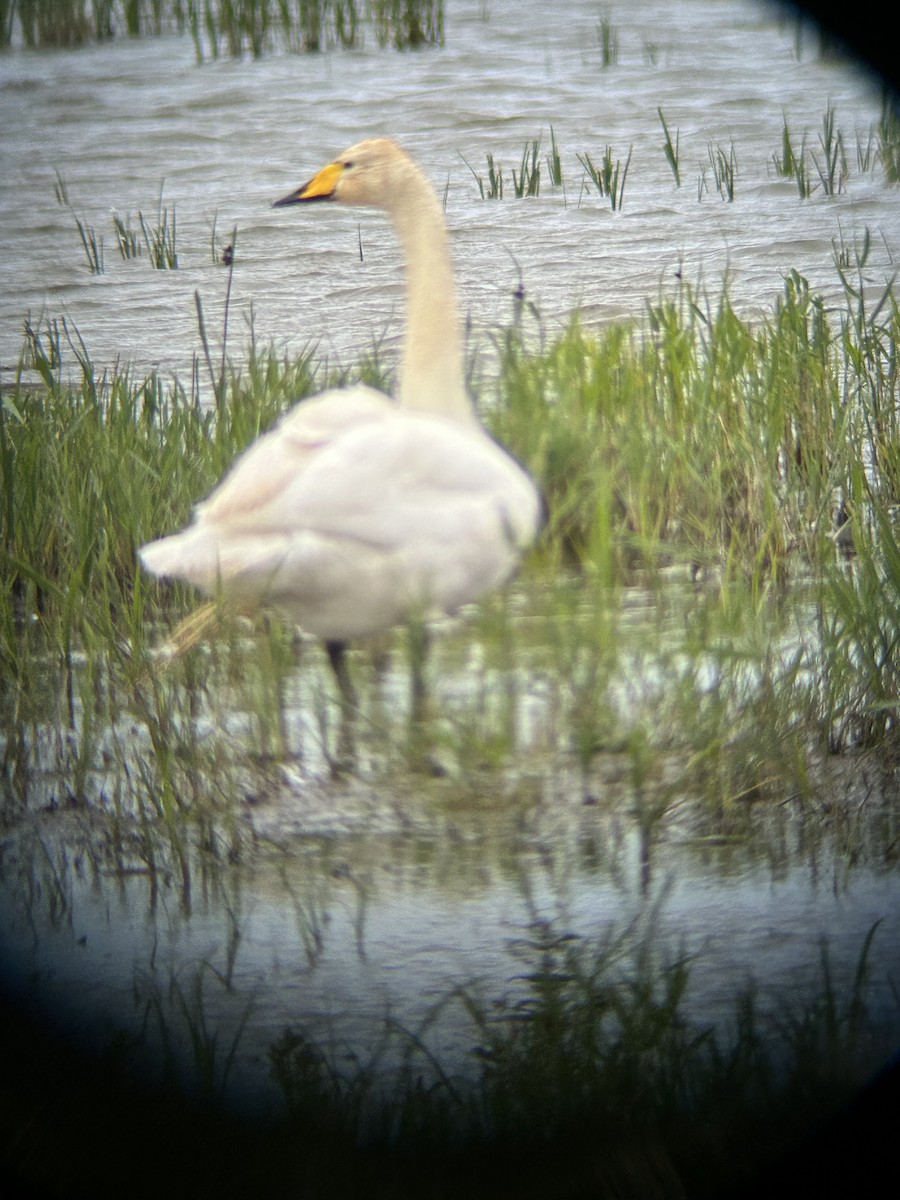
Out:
{"x": 419, "y": 642}
{"x": 337, "y": 656}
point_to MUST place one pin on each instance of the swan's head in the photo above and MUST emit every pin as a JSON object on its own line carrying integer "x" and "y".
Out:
{"x": 369, "y": 173}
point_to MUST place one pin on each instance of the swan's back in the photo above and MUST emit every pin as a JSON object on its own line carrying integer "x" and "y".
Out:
{"x": 396, "y": 512}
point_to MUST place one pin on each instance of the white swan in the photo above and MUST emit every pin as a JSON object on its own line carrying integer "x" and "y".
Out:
{"x": 356, "y": 512}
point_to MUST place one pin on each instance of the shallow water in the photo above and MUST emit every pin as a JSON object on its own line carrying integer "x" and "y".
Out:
{"x": 365, "y": 908}
{"x": 358, "y": 938}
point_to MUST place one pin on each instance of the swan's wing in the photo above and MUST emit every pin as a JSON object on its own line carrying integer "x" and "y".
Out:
{"x": 402, "y": 479}
{"x": 231, "y": 534}
{"x": 402, "y": 512}
{"x": 262, "y": 473}
{"x": 448, "y": 507}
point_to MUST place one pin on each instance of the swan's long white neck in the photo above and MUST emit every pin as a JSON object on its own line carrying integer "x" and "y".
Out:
{"x": 431, "y": 373}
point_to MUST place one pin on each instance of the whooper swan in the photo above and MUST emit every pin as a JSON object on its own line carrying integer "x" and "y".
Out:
{"x": 358, "y": 512}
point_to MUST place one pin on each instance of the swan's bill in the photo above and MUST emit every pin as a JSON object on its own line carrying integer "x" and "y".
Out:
{"x": 320, "y": 187}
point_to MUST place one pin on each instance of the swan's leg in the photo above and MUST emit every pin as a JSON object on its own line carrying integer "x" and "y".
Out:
{"x": 419, "y": 643}
{"x": 346, "y": 749}
{"x": 337, "y": 656}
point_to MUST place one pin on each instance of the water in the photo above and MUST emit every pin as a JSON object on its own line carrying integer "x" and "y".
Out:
{"x": 342, "y": 925}
{"x": 119, "y": 122}
{"x": 350, "y": 936}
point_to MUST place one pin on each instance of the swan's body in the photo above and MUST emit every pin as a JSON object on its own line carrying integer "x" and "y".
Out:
{"x": 357, "y": 512}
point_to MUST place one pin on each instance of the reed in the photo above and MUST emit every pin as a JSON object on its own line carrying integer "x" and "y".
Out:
{"x": 689, "y": 442}
{"x": 889, "y": 139}
{"x": 554, "y": 161}
{"x": 791, "y": 163}
{"x": 233, "y": 27}
{"x": 527, "y": 181}
{"x": 608, "y": 41}
{"x": 671, "y": 149}
{"x": 91, "y": 242}
{"x": 494, "y": 189}
{"x": 594, "y": 1063}
{"x": 609, "y": 177}
{"x": 160, "y": 238}
{"x": 126, "y": 237}
{"x": 723, "y": 164}
{"x": 832, "y": 167}
{"x": 407, "y": 24}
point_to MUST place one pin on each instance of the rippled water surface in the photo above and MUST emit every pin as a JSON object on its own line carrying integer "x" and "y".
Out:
{"x": 368, "y": 908}
{"x": 119, "y": 122}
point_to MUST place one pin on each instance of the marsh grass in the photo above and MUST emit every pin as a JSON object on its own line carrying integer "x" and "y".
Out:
{"x": 690, "y": 618}
{"x": 609, "y": 177}
{"x": 832, "y": 165}
{"x": 494, "y": 189}
{"x": 791, "y": 162}
{"x": 527, "y": 181}
{"x": 671, "y": 148}
{"x": 712, "y": 470}
{"x": 233, "y": 27}
{"x": 608, "y": 41}
{"x": 160, "y": 238}
{"x": 126, "y": 238}
{"x": 554, "y": 161}
{"x": 91, "y": 241}
{"x": 595, "y": 1061}
{"x": 723, "y": 164}
{"x": 888, "y": 135}
{"x": 830, "y": 170}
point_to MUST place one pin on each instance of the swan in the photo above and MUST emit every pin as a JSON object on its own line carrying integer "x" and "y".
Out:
{"x": 358, "y": 512}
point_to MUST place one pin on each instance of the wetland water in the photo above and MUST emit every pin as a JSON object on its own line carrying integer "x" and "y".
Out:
{"x": 362, "y": 910}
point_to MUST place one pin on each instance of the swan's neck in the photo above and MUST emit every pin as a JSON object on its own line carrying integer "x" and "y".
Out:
{"x": 431, "y": 372}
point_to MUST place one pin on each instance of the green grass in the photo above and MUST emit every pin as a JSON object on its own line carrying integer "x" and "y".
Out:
{"x": 608, "y": 41}
{"x": 723, "y": 164}
{"x": 888, "y": 135}
{"x": 831, "y": 164}
{"x": 527, "y": 180}
{"x": 554, "y": 161}
{"x": 91, "y": 241}
{"x": 160, "y": 238}
{"x": 790, "y": 163}
{"x": 494, "y": 189}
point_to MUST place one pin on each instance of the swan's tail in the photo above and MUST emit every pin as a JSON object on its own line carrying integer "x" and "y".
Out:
{"x": 191, "y": 555}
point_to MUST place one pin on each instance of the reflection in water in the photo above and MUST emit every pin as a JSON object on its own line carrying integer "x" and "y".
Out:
{"x": 361, "y": 942}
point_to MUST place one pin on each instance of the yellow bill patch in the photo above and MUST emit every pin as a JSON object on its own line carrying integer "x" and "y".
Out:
{"x": 322, "y": 184}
